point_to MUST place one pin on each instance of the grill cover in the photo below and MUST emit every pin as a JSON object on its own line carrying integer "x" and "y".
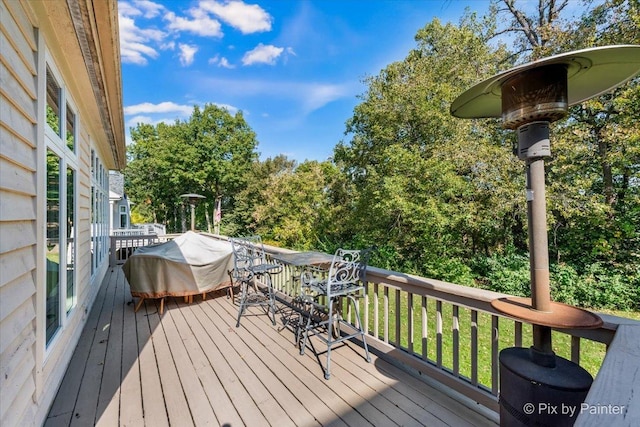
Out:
{"x": 190, "y": 264}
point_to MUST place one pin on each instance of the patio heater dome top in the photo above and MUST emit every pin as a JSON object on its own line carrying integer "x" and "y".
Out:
{"x": 589, "y": 72}
{"x": 192, "y": 196}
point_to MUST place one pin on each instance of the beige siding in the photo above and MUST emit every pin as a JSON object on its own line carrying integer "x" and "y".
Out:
{"x": 34, "y": 34}
{"x": 18, "y": 106}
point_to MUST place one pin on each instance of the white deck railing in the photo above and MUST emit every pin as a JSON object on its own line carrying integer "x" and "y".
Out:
{"x": 140, "y": 229}
{"x": 439, "y": 330}
{"x": 123, "y": 246}
{"x": 443, "y": 331}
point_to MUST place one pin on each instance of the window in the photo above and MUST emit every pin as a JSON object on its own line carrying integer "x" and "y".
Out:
{"x": 71, "y": 123}
{"x": 53, "y": 103}
{"x": 53, "y": 245}
{"x": 123, "y": 217}
{"x": 71, "y": 239}
{"x": 61, "y": 205}
{"x": 99, "y": 213}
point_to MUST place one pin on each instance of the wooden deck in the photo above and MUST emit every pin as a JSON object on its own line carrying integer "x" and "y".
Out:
{"x": 192, "y": 366}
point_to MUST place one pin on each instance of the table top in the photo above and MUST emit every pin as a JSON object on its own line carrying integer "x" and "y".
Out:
{"x": 300, "y": 259}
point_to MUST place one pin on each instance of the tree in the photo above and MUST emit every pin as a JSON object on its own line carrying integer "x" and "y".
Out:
{"x": 209, "y": 154}
{"x": 595, "y": 150}
{"x": 290, "y": 201}
{"x": 428, "y": 184}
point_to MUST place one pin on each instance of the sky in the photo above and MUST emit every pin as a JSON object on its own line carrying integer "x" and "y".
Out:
{"x": 295, "y": 68}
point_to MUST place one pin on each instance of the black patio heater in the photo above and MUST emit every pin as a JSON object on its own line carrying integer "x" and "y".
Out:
{"x": 537, "y": 387}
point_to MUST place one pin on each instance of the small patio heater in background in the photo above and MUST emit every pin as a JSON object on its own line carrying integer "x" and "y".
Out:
{"x": 536, "y": 384}
{"x": 193, "y": 199}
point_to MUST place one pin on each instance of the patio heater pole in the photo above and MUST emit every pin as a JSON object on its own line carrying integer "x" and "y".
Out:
{"x": 535, "y": 382}
{"x": 192, "y": 199}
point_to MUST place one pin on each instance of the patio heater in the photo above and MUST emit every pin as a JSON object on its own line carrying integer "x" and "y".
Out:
{"x": 536, "y": 385}
{"x": 193, "y": 199}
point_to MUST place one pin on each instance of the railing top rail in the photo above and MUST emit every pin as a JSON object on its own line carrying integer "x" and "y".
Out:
{"x": 473, "y": 298}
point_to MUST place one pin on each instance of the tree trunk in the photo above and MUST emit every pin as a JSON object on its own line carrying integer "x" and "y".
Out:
{"x": 208, "y": 218}
{"x": 607, "y": 175}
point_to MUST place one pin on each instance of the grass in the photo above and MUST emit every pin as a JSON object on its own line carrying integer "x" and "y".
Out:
{"x": 591, "y": 353}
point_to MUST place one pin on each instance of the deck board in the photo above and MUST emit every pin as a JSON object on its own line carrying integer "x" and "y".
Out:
{"x": 192, "y": 366}
{"x": 177, "y": 407}
{"x": 108, "y": 401}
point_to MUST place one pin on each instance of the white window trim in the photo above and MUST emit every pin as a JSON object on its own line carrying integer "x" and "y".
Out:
{"x": 68, "y": 159}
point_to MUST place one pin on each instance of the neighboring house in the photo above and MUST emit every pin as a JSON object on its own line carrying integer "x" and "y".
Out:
{"x": 119, "y": 204}
{"x": 61, "y": 130}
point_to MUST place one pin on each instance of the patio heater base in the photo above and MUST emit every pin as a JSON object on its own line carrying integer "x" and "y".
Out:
{"x": 538, "y": 395}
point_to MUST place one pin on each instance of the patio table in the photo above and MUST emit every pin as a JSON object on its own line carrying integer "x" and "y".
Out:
{"x": 301, "y": 259}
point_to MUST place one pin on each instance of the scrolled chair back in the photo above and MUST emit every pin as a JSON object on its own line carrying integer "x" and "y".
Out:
{"x": 348, "y": 267}
{"x": 244, "y": 257}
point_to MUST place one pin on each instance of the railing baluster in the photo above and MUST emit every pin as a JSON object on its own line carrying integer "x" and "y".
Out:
{"x": 386, "y": 314}
{"x": 425, "y": 329}
{"x": 575, "y": 349}
{"x": 365, "y": 310}
{"x": 518, "y": 334}
{"x": 410, "y": 322}
{"x": 398, "y": 341}
{"x": 456, "y": 341}
{"x": 376, "y": 308}
{"x": 494, "y": 355}
{"x": 439, "y": 333}
{"x": 123, "y": 246}
{"x": 474, "y": 347}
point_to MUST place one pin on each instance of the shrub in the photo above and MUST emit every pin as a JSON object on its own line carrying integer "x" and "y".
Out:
{"x": 508, "y": 273}
{"x": 451, "y": 270}
{"x": 598, "y": 287}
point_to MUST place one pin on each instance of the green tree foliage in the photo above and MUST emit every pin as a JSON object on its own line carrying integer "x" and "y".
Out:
{"x": 210, "y": 154}
{"x": 430, "y": 185}
{"x": 594, "y": 171}
{"x": 288, "y": 202}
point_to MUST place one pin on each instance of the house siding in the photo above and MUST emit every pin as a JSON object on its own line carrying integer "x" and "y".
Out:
{"x": 30, "y": 371}
{"x": 18, "y": 189}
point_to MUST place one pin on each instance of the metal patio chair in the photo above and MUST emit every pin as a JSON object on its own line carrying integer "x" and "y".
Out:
{"x": 323, "y": 293}
{"x": 253, "y": 273}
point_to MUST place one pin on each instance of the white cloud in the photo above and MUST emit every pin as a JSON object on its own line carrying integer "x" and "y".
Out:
{"x": 244, "y": 17}
{"x": 221, "y": 62}
{"x": 224, "y": 63}
{"x": 319, "y": 95}
{"x": 142, "y": 112}
{"x": 201, "y": 24}
{"x": 148, "y": 8}
{"x": 230, "y": 108}
{"x": 307, "y": 96}
{"x": 262, "y": 54}
{"x": 187, "y": 54}
{"x": 136, "y": 120}
{"x": 127, "y": 9}
{"x": 168, "y": 46}
{"x": 135, "y": 42}
{"x": 163, "y": 107}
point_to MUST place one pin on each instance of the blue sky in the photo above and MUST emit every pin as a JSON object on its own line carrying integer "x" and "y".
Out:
{"x": 294, "y": 67}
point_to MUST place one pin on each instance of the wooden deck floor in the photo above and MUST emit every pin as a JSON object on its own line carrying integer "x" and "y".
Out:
{"x": 192, "y": 366}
